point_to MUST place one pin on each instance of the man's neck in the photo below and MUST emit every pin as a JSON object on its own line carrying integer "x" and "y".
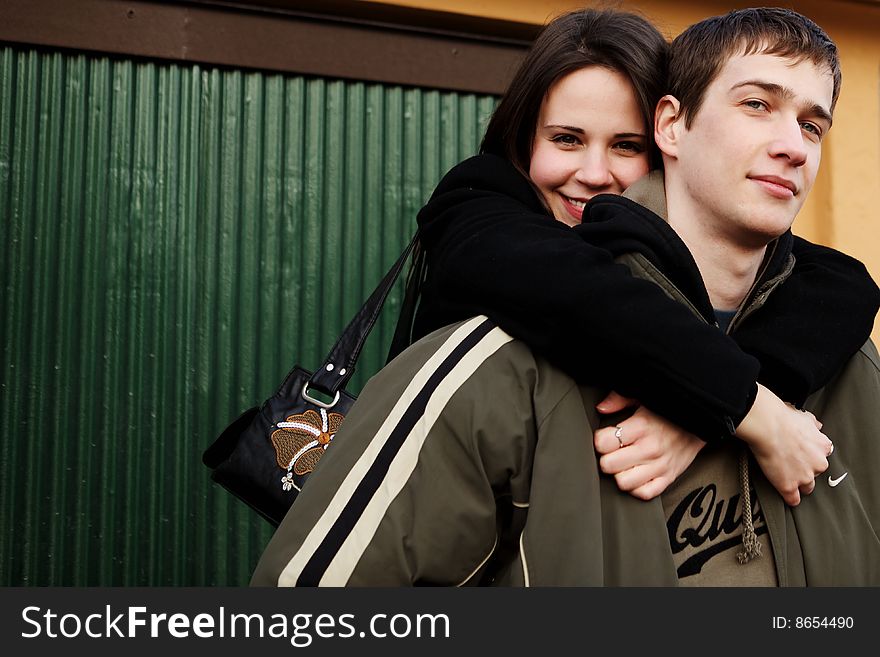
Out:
{"x": 728, "y": 268}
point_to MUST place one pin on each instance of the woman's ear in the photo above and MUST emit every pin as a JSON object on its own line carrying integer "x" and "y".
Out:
{"x": 668, "y": 123}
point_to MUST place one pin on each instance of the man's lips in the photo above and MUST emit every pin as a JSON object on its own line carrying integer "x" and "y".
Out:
{"x": 777, "y": 186}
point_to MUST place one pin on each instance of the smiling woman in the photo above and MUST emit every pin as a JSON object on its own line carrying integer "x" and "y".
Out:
{"x": 590, "y": 140}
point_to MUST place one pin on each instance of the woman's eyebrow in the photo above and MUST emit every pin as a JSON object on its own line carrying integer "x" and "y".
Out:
{"x": 570, "y": 128}
{"x": 581, "y": 131}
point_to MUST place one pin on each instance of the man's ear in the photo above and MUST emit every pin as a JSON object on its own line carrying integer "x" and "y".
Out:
{"x": 668, "y": 124}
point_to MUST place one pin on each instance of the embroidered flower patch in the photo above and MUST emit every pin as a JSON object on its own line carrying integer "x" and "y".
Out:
{"x": 300, "y": 441}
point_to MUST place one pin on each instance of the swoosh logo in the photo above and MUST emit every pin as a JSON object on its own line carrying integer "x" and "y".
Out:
{"x": 833, "y": 482}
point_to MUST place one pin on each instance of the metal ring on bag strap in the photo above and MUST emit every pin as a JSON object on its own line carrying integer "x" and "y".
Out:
{"x": 318, "y": 402}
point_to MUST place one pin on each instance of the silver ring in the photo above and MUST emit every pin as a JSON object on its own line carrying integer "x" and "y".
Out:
{"x": 617, "y": 434}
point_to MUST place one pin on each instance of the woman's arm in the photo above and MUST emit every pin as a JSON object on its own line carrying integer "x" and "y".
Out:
{"x": 645, "y": 452}
{"x": 837, "y": 296}
{"x": 493, "y": 249}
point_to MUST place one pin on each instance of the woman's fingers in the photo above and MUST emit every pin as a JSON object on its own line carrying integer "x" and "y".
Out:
{"x": 788, "y": 445}
{"x": 613, "y": 438}
{"x": 609, "y": 439}
{"x": 644, "y": 450}
{"x": 634, "y": 477}
{"x": 645, "y": 453}
{"x": 828, "y": 448}
{"x": 814, "y": 419}
{"x": 623, "y": 458}
{"x": 645, "y": 481}
{"x": 614, "y": 402}
{"x": 652, "y": 488}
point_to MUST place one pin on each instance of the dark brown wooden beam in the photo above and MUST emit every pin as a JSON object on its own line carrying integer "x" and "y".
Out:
{"x": 291, "y": 37}
{"x": 381, "y": 13}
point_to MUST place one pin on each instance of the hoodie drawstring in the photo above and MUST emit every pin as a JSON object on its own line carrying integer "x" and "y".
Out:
{"x": 751, "y": 546}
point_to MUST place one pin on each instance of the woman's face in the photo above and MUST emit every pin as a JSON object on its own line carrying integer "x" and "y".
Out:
{"x": 590, "y": 139}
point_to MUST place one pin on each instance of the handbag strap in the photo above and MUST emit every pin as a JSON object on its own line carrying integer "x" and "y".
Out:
{"x": 338, "y": 367}
{"x": 403, "y": 333}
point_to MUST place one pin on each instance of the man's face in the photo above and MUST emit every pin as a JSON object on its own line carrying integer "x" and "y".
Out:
{"x": 751, "y": 154}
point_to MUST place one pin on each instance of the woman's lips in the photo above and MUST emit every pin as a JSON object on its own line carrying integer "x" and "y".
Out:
{"x": 574, "y": 207}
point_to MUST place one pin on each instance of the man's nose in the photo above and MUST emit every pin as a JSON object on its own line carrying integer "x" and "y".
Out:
{"x": 789, "y": 143}
{"x": 594, "y": 170}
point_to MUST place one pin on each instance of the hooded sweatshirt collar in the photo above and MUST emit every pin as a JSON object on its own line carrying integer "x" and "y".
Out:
{"x": 637, "y": 223}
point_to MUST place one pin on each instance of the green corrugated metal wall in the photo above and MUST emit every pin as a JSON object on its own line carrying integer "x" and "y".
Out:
{"x": 173, "y": 238}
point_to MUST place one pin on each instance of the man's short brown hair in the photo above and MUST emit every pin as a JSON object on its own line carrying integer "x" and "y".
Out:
{"x": 698, "y": 54}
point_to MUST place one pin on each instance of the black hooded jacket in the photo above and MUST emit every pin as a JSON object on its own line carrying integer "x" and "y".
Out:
{"x": 492, "y": 248}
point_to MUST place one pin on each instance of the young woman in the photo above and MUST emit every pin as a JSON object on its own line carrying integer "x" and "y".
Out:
{"x": 577, "y": 121}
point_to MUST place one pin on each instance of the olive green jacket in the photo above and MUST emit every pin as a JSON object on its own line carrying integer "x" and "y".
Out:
{"x": 469, "y": 460}
{"x": 495, "y": 481}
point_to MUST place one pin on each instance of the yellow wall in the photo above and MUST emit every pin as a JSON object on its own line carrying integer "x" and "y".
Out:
{"x": 844, "y": 208}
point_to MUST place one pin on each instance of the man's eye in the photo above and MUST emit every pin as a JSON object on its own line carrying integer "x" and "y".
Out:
{"x": 755, "y": 104}
{"x": 812, "y": 128}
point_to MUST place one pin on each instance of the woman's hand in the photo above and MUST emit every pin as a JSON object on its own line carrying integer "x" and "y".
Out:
{"x": 650, "y": 452}
{"x": 787, "y": 443}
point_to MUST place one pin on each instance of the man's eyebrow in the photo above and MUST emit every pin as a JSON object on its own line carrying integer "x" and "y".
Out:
{"x": 787, "y": 94}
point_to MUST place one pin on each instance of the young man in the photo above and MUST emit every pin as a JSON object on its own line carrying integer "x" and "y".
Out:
{"x": 760, "y": 108}
{"x": 480, "y": 473}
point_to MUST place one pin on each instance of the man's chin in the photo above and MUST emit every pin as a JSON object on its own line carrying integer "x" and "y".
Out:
{"x": 759, "y": 236}
{"x": 771, "y": 220}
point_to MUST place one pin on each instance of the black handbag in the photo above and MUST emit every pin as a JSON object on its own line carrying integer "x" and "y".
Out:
{"x": 265, "y": 456}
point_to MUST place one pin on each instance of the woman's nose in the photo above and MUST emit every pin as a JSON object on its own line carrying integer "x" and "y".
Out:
{"x": 594, "y": 170}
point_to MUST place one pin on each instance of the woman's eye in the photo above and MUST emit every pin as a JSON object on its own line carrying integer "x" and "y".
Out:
{"x": 629, "y": 147}
{"x": 566, "y": 140}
